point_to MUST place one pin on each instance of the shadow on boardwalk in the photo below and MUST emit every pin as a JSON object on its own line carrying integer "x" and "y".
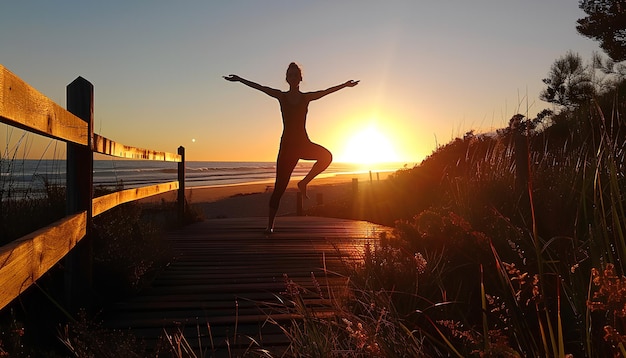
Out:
{"x": 227, "y": 276}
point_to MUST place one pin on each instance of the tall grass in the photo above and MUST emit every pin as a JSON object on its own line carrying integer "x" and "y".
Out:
{"x": 512, "y": 269}
{"x": 129, "y": 249}
{"x": 27, "y": 203}
{"x": 483, "y": 264}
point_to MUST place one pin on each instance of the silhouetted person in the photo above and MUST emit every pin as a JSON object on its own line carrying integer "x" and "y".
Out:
{"x": 295, "y": 143}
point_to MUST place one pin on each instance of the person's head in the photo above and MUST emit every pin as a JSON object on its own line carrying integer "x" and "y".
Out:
{"x": 294, "y": 74}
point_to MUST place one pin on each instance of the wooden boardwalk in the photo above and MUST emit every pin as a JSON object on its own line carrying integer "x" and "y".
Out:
{"x": 228, "y": 279}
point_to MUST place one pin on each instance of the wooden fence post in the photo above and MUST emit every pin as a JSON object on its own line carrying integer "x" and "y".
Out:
{"x": 355, "y": 190}
{"x": 299, "y": 204}
{"x": 79, "y": 188}
{"x": 181, "y": 184}
{"x": 355, "y": 187}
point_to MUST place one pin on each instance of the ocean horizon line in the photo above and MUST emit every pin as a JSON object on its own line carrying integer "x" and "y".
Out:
{"x": 33, "y": 175}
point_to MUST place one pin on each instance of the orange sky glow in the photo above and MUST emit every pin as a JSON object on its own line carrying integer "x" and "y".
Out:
{"x": 428, "y": 72}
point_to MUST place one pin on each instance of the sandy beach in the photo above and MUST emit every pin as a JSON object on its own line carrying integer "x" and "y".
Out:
{"x": 251, "y": 200}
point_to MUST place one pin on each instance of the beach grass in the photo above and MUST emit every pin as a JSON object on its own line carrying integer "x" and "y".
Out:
{"x": 485, "y": 260}
{"x": 511, "y": 270}
{"x": 129, "y": 248}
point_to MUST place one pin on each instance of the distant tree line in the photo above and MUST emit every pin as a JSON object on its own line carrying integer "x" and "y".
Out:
{"x": 572, "y": 82}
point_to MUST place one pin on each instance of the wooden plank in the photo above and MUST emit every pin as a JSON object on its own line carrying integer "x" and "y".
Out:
{"x": 229, "y": 275}
{"x": 106, "y": 146}
{"x": 24, "y": 260}
{"x": 106, "y": 202}
{"x": 24, "y": 107}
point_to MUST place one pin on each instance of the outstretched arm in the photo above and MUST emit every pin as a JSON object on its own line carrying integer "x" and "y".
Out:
{"x": 319, "y": 94}
{"x": 267, "y": 90}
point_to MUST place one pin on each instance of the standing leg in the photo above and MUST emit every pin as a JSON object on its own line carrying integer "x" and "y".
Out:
{"x": 284, "y": 168}
{"x": 323, "y": 159}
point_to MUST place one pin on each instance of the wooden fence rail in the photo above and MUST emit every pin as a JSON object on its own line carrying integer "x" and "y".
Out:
{"x": 26, "y": 259}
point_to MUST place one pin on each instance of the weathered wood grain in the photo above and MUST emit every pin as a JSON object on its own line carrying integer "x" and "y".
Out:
{"x": 24, "y": 260}
{"x": 106, "y": 202}
{"x": 24, "y": 107}
{"x": 106, "y": 146}
{"x": 229, "y": 277}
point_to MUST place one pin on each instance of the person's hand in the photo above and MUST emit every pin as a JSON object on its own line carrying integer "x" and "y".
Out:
{"x": 351, "y": 83}
{"x": 232, "y": 78}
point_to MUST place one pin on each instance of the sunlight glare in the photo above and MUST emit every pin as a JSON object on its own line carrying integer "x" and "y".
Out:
{"x": 369, "y": 146}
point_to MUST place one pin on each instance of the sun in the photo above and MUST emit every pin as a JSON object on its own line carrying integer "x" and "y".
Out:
{"x": 369, "y": 146}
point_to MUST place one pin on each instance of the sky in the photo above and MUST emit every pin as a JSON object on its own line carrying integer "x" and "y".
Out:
{"x": 429, "y": 71}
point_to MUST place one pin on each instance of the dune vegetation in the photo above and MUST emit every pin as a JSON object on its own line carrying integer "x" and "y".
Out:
{"x": 506, "y": 244}
{"x": 509, "y": 243}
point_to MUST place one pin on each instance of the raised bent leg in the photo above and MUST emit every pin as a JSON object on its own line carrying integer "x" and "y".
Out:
{"x": 323, "y": 159}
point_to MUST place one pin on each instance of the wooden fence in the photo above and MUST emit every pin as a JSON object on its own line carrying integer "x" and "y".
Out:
{"x": 26, "y": 259}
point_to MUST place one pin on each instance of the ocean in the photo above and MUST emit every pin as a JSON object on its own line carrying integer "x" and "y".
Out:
{"x": 31, "y": 176}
